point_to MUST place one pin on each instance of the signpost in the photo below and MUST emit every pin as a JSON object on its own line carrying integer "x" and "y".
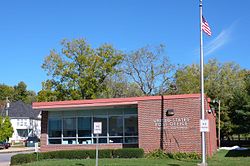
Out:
{"x": 204, "y": 125}
{"x": 97, "y": 131}
{"x": 36, "y": 150}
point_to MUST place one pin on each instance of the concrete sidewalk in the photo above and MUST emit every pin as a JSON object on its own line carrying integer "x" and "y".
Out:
{"x": 18, "y": 149}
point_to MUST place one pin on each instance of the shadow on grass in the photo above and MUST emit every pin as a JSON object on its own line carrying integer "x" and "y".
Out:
{"x": 80, "y": 164}
{"x": 238, "y": 153}
{"x": 173, "y": 164}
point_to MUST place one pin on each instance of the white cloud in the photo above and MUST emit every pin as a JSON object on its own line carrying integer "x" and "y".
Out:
{"x": 222, "y": 39}
{"x": 219, "y": 41}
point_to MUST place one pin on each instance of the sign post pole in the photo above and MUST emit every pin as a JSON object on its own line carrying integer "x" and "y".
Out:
{"x": 97, "y": 141}
{"x": 97, "y": 131}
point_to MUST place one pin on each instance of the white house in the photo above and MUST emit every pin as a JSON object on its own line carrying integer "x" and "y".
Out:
{"x": 25, "y": 121}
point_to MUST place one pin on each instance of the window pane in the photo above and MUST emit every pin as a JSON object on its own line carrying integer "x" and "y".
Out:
{"x": 131, "y": 140}
{"x": 69, "y": 141}
{"x": 100, "y": 140}
{"x": 55, "y": 141}
{"x": 131, "y": 125}
{"x": 104, "y": 124}
{"x": 130, "y": 111}
{"x": 115, "y": 126}
{"x": 69, "y": 127}
{"x": 84, "y": 127}
{"x": 22, "y": 132}
{"x": 55, "y": 127}
{"x": 84, "y": 141}
{"x": 115, "y": 140}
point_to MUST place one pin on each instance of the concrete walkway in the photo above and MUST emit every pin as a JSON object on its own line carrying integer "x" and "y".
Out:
{"x": 17, "y": 149}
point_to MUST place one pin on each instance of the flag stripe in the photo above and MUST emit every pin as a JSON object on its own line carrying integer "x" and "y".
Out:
{"x": 205, "y": 27}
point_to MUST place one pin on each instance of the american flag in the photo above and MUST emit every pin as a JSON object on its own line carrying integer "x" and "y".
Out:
{"x": 205, "y": 27}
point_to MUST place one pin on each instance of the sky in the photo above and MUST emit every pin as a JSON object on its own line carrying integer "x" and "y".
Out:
{"x": 30, "y": 29}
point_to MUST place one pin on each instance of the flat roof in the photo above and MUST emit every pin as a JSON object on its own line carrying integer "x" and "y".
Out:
{"x": 104, "y": 102}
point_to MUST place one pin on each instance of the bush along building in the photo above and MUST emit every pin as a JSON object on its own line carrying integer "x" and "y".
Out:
{"x": 171, "y": 123}
{"x": 25, "y": 121}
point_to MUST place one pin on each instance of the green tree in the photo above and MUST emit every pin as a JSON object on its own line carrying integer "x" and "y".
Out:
{"x": 79, "y": 71}
{"x": 6, "y": 129}
{"x": 221, "y": 81}
{"x": 5, "y": 91}
{"x": 239, "y": 109}
{"x": 20, "y": 92}
{"x": 118, "y": 86}
{"x": 150, "y": 69}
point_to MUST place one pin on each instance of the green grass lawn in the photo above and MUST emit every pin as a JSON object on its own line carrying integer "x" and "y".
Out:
{"x": 221, "y": 158}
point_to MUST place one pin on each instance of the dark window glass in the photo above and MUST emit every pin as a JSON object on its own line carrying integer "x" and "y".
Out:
{"x": 84, "y": 127}
{"x": 84, "y": 141}
{"x": 55, "y": 127}
{"x": 131, "y": 140}
{"x": 104, "y": 124}
{"x": 101, "y": 140}
{"x": 69, "y": 141}
{"x": 115, "y": 140}
{"x": 69, "y": 127}
{"x": 22, "y": 132}
{"x": 131, "y": 125}
{"x": 116, "y": 126}
{"x": 55, "y": 141}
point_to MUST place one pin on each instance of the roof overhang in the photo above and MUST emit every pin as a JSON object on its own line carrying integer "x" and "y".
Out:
{"x": 103, "y": 103}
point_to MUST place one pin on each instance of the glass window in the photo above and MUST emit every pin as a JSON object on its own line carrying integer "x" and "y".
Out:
{"x": 100, "y": 140}
{"x": 104, "y": 124}
{"x": 131, "y": 125}
{"x": 55, "y": 141}
{"x": 130, "y": 110}
{"x": 131, "y": 140}
{"x": 115, "y": 140}
{"x": 119, "y": 125}
{"x": 84, "y": 141}
{"x": 55, "y": 127}
{"x": 22, "y": 132}
{"x": 69, "y": 141}
{"x": 69, "y": 127}
{"x": 84, "y": 127}
{"x": 116, "y": 126}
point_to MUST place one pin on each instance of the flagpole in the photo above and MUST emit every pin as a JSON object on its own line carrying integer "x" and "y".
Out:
{"x": 203, "y": 139}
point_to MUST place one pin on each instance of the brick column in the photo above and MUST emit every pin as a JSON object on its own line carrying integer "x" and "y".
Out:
{"x": 44, "y": 129}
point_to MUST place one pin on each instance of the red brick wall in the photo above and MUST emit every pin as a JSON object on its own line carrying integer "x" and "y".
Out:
{"x": 184, "y": 136}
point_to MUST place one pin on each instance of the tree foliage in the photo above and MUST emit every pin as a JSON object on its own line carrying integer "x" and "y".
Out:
{"x": 78, "y": 71}
{"x": 150, "y": 69}
{"x": 6, "y": 129}
{"x": 224, "y": 81}
{"x": 15, "y": 93}
{"x": 118, "y": 86}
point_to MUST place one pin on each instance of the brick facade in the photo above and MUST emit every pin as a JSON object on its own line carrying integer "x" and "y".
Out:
{"x": 177, "y": 133}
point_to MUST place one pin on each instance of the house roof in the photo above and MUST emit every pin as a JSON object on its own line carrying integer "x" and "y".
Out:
{"x": 20, "y": 109}
{"x": 104, "y": 102}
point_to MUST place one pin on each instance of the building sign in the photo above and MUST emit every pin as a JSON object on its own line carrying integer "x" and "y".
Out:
{"x": 97, "y": 127}
{"x": 172, "y": 123}
{"x": 204, "y": 125}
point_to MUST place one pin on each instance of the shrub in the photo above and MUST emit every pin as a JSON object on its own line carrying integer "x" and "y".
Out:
{"x": 128, "y": 153}
{"x": 157, "y": 154}
{"x": 180, "y": 155}
{"x": 23, "y": 158}
{"x": 75, "y": 154}
{"x": 68, "y": 154}
{"x": 160, "y": 154}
